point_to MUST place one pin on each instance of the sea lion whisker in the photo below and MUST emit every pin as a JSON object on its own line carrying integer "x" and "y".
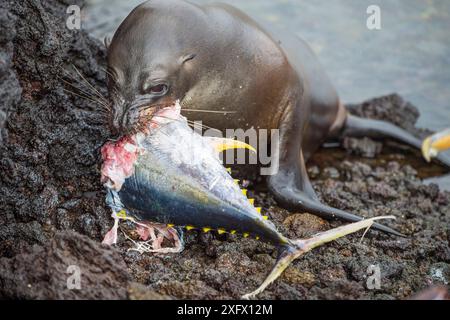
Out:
{"x": 142, "y": 125}
{"x": 190, "y": 122}
{"x": 102, "y": 102}
{"x": 82, "y": 91}
{"x": 161, "y": 106}
{"x": 204, "y": 126}
{"x": 193, "y": 123}
{"x": 91, "y": 89}
{"x": 87, "y": 98}
{"x": 209, "y": 111}
{"x": 109, "y": 73}
{"x": 89, "y": 84}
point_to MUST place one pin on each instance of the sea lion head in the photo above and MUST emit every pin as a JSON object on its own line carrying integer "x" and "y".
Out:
{"x": 150, "y": 61}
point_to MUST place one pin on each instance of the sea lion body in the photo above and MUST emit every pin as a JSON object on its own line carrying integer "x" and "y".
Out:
{"x": 238, "y": 66}
{"x": 268, "y": 78}
{"x": 216, "y": 58}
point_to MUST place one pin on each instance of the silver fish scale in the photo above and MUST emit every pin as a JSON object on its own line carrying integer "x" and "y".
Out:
{"x": 196, "y": 157}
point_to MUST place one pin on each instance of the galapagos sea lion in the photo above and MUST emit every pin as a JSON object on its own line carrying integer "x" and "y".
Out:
{"x": 214, "y": 57}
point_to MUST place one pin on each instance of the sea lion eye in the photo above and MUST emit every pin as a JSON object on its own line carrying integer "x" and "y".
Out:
{"x": 158, "y": 90}
{"x": 188, "y": 57}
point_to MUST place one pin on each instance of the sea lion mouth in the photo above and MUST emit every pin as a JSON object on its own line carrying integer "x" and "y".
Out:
{"x": 147, "y": 112}
{"x": 146, "y": 116}
{"x": 120, "y": 155}
{"x": 155, "y": 115}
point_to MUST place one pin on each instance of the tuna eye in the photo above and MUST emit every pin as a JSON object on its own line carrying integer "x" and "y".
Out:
{"x": 158, "y": 90}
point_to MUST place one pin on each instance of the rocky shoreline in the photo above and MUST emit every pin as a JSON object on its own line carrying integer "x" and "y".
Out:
{"x": 53, "y": 213}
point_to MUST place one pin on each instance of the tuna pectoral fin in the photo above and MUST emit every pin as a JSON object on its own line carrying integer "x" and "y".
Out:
{"x": 299, "y": 247}
{"x": 223, "y": 144}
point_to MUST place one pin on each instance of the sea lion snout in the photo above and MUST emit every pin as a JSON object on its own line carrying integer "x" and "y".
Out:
{"x": 121, "y": 118}
{"x": 129, "y": 117}
{"x": 133, "y": 101}
{"x": 150, "y": 60}
{"x": 142, "y": 88}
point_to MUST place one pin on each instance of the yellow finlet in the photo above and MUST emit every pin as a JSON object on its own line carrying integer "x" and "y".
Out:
{"x": 221, "y": 231}
{"x": 122, "y": 214}
{"x": 258, "y": 209}
{"x": 245, "y": 234}
{"x": 252, "y": 201}
{"x": 244, "y": 192}
{"x": 170, "y": 225}
{"x": 237, "y": 181}
{"x": 206, "y": 229}
{"x": 233, "y": 231}
{"x": 257, "y": 238}
{"x": 189, "y": 228}
{"x": 229, "y": 170}
{"x": 265, "y": 217}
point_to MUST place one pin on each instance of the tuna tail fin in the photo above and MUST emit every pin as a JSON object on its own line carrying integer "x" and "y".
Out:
{"x": 296, "y": 248}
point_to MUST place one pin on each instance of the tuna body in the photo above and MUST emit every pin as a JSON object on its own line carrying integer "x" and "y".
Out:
{"x": 178, "y": 179}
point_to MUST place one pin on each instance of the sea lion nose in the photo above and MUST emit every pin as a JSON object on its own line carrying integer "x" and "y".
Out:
{"x": 117, "y": 122}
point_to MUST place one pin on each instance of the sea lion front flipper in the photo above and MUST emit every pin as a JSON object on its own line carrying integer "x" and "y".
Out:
{"x": 293, "y": 190}
{"x": 315, "y": 207}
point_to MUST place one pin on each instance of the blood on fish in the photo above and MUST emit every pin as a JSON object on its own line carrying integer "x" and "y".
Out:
{"x": 118, "y": 161}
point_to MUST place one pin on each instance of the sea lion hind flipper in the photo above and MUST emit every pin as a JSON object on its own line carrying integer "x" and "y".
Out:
{"x": 433, "y": 145}
{"x": 362, "y": 127}
{"x": 292, "y": 189}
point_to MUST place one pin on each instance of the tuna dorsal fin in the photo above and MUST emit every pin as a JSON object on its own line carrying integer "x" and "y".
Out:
{"x": 222, "y": 144}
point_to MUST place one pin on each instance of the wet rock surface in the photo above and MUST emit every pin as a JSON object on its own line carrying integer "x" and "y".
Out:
{"x": 53, "y": 213}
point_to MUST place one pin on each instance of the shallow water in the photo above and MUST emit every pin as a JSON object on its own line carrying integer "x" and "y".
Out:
{"x": 409, "y": 55}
